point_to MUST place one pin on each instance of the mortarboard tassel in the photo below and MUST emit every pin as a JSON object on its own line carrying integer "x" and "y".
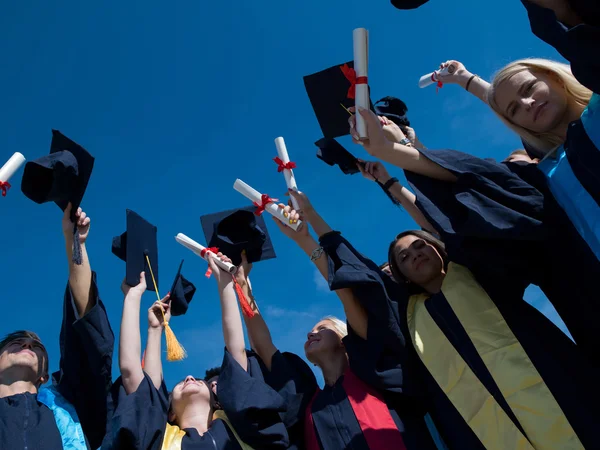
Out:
{"x": 175, "y": 351}
{"x": 246, "y": 308}
{"x": 77, "y": 255}
{"x": 143, "y": 359}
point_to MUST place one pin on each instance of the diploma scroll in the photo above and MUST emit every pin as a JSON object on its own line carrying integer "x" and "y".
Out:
{"x": 360, "y": 38}
{"x": 257, "y": 198}
{"x": 12, "y": 165}
{"x": 434, "y": 77}
{"x": 290, "y": 179}
{"x": 203, "y": 252}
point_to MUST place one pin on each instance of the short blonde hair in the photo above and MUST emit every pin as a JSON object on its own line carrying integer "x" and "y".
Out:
{"x": 339, "y": 325}
{"x": 545, "y": 142}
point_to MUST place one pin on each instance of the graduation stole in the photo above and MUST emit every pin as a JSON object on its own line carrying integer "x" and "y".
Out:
{"x": 174, "y": 435}
{"x": 67, "y": 421}
{"x": 527, "y": 395}
{"x": 373, "y": 416}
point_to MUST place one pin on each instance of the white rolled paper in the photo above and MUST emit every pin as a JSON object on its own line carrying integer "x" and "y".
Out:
{"x": 256, "y": 197}
{"x": 12, "y": 165}
{"x": 434, "y": 77}
{"x": 203, "y": 252}
{"x": 290, "y": 179}
{"x": 360, "y": 38}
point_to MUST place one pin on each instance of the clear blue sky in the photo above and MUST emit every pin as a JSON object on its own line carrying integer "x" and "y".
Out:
{"x": 178, "y": 100}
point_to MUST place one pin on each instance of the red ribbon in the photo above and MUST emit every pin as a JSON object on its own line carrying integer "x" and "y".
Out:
{"x": 265, "y": 200}
{"x": 214, "y": 250}
{"x": 439, "y": 83}
{"x": 4, "y": 187}
{"x": 246, "y": 308}
{"x": 281, "y": 166}
{"x": 350, "y": 75}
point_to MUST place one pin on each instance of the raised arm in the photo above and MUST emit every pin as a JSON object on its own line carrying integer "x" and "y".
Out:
{"x": 472, "y": 83}
{"x": 233, "y": 332}
{"x": 376, "y": 171}
{"x": 80, "y": 276}
{"x": 130, "y": 344}
{"x": 156, "y": 324}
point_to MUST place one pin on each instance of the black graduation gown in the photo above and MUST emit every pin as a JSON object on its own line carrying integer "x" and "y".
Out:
{"x": 556, "y": 358}
{"x": 504, "y": 215}
{"x": 84, "y": 379}
{"x": 252, "y": 407}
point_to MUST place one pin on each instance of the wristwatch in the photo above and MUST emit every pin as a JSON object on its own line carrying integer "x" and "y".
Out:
{"x": 405, "y": 141}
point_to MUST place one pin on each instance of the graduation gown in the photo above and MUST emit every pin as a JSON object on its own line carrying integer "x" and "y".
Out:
{"x": 140, "y": 418}
{"x": 505, "y": 216}
{"x": 84, "y": 380}
{"x": 468, "y": 358}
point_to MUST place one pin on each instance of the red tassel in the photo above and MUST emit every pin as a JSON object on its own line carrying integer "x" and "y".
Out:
{"x": 143, "y": 359}
{"x": 246, "y": 308}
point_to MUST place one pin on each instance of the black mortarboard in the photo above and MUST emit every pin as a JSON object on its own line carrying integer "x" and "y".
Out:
{"x": 328, "y": 92}
{"x": 182, "y": 292}
{"x": 394, "y": 109}
{"x": 132, "y": 247}
{"x": 331, "y": 152}
{"x": 236, "y": 230}
{"x": 408, "y": 4}
{"x": 61, "y": 177}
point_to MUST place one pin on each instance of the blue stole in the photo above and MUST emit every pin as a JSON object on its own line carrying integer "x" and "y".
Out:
{"x": 66, "y": 418}
{"x": 579, "y": 205}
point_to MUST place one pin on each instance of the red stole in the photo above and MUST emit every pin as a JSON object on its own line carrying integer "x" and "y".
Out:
{"x": 373, "y": 416}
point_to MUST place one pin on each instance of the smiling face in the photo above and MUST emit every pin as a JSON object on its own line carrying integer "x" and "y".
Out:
{"x": 534, "y": 101}
{"x": 322, "y": 340}
{"x": 188, "y": 391}
{"x": 418, "y": 261}
{"x": 24, "y": 351}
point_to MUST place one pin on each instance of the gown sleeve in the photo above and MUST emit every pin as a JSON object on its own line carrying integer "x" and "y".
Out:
{"x": 578, "y": 45}
{"x": 84, "y": 377}
{"x": 252, "y": 406}
{"x": 139, "y": 419}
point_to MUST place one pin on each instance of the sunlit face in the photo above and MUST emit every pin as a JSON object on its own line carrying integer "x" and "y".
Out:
{"x": 417, "y": 260}
{"x": 189, "y": 391}
{"x": 536, "y": 102}
{"x": 212, "y": 383}
{"x": 322, "y": 340}
{"x": 25, "y": 353}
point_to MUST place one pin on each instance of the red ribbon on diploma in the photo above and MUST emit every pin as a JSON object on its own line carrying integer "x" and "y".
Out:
{"x": 439, "y": 84}
{"x": 281, "y": 166}
{"x": 214, "y": 250}
{"x": 350, "y": 75}
{"x": 4, "y": 187}
{"x": 265, "y": 200}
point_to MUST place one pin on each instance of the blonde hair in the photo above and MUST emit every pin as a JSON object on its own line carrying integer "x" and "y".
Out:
{"x": 339, "y": 325}
{"x": 544, "y": 142}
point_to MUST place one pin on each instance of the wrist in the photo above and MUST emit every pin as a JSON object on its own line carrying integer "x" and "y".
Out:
{"x": 153, "y": 331}
{"x": 462, "y": 77}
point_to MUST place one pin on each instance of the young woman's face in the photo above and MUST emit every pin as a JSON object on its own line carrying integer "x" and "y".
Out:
{"x": 187, "y": 391}
{"x": 418, "y": 260}
{"x": 322, "y": 339}
{"x": 537, "y": 102}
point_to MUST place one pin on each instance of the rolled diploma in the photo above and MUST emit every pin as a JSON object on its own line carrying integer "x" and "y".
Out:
{"x": 433, "y": 77}
{"x": 11, "y": 166}
{"x": 290, "y": 179}
{"x": 198, "y": 249}
{"x": 255, "y": 197}
{"x": 360, "y": 38}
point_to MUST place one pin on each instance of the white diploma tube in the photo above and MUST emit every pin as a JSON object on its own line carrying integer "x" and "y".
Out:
{"x": 12, "y": 165}
{"x": 256, "y": 197}
{"x": 434, "y": 77}
{"x": 203, "y": 252}
{"x": 360, "y": 38}
{"x": 290, "y": 179}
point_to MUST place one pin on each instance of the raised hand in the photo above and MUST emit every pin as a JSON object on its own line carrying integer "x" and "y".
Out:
{"x": 155, "y": 313}
{"x": 223, "y": 278}
{"x": 377, "y": 139}
{"x": 374, "y": 171}
{"x": 244, "y": 269}
{"x": 82, "y": 220}
{"x": 138, "y": 290}
{"x": 457, "y": 75}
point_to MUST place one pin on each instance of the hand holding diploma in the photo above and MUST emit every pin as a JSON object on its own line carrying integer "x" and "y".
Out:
{"x": 204, "y": 252}
{"x": 286, "y": 166}
{"x": 360, "y": 38}
{"x": 8, "y": 170}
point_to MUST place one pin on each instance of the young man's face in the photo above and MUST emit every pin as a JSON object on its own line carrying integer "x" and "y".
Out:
{"x": 25, "y": 352}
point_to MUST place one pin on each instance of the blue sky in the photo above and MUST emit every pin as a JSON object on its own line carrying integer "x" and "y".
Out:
{"x": 178, "y": 100}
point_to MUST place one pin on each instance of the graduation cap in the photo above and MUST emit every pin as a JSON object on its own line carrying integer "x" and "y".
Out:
{"x": 331, "y": 152}
{"x": 236, "y": 230}
{"x": 182, "y": 292}
{"x": 331, "y": 94}
{"x": 408, "y": 4}
{"x": 394, "y": 109}
{"x": 60, "y": 177}
{"x": 136, "y": 247}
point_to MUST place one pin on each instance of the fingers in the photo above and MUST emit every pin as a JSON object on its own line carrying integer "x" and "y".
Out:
{"x": 68, "y": 210}
{"x": 244, "y": 258}
{"x": 212, "y": 264}
{"x": 143, "y": 277}
{"x": 286, "y": 211}
{"x": 226, "y": 259}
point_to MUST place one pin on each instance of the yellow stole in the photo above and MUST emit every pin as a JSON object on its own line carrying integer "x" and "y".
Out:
{"x": 527, "y": 395}
{"x": 174, "y": 435}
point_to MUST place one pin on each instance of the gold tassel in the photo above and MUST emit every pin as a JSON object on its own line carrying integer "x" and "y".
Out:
{"x": 175, "y": 351}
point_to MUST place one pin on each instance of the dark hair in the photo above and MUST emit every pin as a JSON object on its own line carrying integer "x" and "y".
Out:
{"x": 384, "y": 265}
{"x": 214, "y": 372}
{"x": 427, "y": 237}
{"x": 214, "y": 399}
{"x": 24, "y": 334}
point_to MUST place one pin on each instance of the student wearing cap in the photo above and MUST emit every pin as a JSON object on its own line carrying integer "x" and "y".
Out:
{"x": 496, "y": 372}
{"x": 71, "y": 411}
{"x": 347, "y": 412}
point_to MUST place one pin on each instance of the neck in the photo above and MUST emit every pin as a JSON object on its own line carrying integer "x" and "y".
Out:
{"x": 16, "y": 387}
{"x": 435, "y": 285}
{"x": 333, "y": 367}
{"x": 573, "y": 113}
{"x": 196, "y": 416}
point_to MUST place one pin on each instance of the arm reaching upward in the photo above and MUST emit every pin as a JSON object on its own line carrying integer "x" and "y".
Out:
{"x": 156, "y": 324}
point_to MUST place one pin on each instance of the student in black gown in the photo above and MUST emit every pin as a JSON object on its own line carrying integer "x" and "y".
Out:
{"x": 245, "y": 416}
{"x": 71, "y": 412}
{"x": 346, "y": 412}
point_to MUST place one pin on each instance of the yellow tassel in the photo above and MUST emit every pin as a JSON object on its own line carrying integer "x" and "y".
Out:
{"x": 175, "y": 351}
